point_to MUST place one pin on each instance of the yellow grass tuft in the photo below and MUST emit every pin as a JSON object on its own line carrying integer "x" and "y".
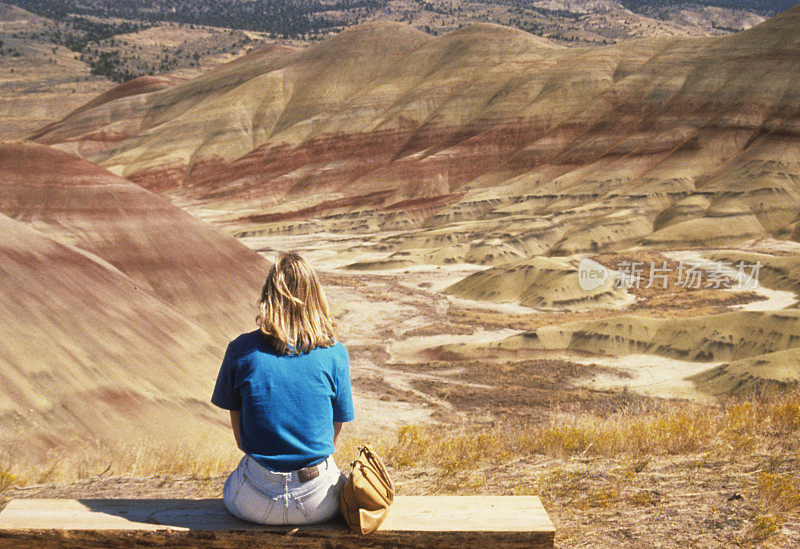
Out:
{"x": 7, "y": 479}
{"x": 786, "y": 416}
{"x": 782, "y": 491}
{"x": 763, "y": 528}
{"x": 412, "y": 443}
{"x": 643, "y": 498}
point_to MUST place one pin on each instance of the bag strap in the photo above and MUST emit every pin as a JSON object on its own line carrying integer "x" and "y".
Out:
{"x": 377, "y": 466}
{"x": 372, "y": 462}
{"x": 385, "y": 492}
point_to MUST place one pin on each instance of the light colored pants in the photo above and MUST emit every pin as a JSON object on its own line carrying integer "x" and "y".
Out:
{"x": 257, "y": 494}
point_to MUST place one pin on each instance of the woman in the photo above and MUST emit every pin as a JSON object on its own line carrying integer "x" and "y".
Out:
{"x": 287, "y": 386}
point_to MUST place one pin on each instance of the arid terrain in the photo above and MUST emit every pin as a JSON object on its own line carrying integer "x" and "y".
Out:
{"x": 650, "y": 463}
{"x": 563, "y": 271}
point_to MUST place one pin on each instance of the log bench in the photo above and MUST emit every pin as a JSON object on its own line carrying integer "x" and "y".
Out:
{"x": 413, "y": 521}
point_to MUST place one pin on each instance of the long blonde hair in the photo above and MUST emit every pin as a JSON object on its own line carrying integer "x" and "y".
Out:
{"x": 293, "y": 311}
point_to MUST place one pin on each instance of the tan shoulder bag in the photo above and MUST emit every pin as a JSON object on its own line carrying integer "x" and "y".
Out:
{"x": 368, "y": 493}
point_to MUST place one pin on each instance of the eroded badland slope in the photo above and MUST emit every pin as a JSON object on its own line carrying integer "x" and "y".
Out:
{"x": 484, "y": 133}
{"x": 115, "y": 305}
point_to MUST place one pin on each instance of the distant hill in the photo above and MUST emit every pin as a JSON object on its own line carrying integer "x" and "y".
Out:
{"x": 486, "y": 133}
{"x": 50, "y": 67}
{"x": 765, "y": 7}
{"x": 568, "y": 21}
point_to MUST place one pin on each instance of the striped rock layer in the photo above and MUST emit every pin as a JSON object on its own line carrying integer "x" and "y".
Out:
{"x": 483, "y": 134}
{"x": 116, "y": 306}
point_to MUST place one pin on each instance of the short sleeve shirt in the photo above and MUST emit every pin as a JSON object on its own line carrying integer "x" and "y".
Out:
{"x": 288, "y": 403}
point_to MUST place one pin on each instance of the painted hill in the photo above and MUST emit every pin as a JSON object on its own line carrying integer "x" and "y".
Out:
{"x": 116, "y": 304}
{"x": 210, "y": 278}
{"x": 86, "y": 354}
{"x": 483, "y": 131}
{"x": 542, "y": 282}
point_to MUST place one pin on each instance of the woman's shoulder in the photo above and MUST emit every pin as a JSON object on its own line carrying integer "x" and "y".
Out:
{"x": 247, "y": 338}
{"x": 335, "y": 348}
{"x": 247, "y": 343}
{"x": 339, "y": 346}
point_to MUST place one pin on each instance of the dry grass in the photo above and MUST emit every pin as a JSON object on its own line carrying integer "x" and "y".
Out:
{"x": 194, "y": 460}
{"x": 737, "y": 427}
{"x": 183, "y": 459}
{"x": 601, "y": 466}
{"x": 7, "y": 478}
{"x": 780, "y": 503}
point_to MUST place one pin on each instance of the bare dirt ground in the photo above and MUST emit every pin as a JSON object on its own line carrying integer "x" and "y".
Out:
{"x": 392, "y": 323}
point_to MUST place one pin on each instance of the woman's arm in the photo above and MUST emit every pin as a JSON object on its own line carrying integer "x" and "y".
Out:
{"x": 337, "y": 428}
{"x": 235, "y": 415}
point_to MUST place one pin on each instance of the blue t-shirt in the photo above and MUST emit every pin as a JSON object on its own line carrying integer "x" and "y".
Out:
{"x": 288, "y": 403}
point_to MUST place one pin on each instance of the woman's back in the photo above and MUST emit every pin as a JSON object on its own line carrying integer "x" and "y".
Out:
{"x": 288, "y": 403}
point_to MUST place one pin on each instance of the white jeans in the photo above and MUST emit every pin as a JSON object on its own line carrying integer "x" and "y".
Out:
{"x": 257, "y": 494}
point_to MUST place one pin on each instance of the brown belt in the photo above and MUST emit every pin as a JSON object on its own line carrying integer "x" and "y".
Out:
{"x": 308, "y": 473}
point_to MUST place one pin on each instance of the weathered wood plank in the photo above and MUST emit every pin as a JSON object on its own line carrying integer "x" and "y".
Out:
{"x": 512, "y": 518}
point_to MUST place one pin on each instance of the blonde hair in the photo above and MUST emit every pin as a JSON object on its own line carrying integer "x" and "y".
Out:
{"x": 294, "y": 312}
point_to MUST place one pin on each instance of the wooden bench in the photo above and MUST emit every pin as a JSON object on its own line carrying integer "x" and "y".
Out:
{"x": 414, "y": 521}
